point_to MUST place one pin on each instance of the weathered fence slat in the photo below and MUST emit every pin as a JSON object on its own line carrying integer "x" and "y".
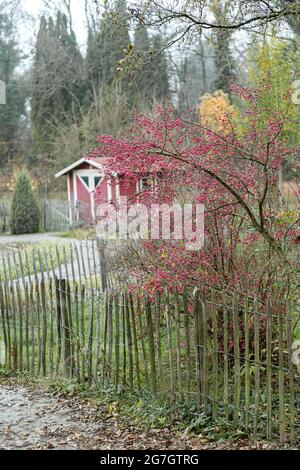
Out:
{"x": 187, "y": 336}
{"x": 135, "y": 341}
{"x": 215, "y": 353}
{"x": 237, "y": 361}
{"x": 225, "y": 356}
{"x": 204, "y": 378}
{"x": 282, "y": 421}
{"x": 256, "y": 363}
{"x": 178, "y": 346}
{"x": 170, "y": 346}
{"x": 151, "y": 345}
{"x": 197, "y": 346}
{"x": 117, "y": 341}
{"x": 141, "y": 335}
{"x": 247, "y": 363}
{"x": 110, "y": 338}
{"x": 289, "y": 335}
{"x": 269, "y": 370}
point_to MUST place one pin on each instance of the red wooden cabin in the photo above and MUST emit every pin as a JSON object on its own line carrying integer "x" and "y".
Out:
{"x": 89, "y": 186}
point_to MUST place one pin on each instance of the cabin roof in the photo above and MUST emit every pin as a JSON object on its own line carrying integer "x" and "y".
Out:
{"x": 95, "y": 162}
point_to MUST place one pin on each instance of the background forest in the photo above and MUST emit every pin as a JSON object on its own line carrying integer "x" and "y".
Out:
{"x": 60, "y": 96}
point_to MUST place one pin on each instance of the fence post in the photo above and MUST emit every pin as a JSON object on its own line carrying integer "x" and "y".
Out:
{"x": 62, "y": 315}
{"x": 197, "y": 344}
{"x": 2, "y": 314}
{"x": 103, "y": 271}
{"x": 151, "y": 344}
{"x": 45, "y": 215}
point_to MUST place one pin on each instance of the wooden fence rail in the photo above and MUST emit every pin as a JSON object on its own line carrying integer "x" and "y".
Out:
{"x": 229, "y": 354}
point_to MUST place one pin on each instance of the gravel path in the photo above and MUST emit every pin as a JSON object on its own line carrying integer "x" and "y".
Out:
{"x": 34, "y": 418}
{"x": 29, "y": 238}
{"x": 37, "y": 420}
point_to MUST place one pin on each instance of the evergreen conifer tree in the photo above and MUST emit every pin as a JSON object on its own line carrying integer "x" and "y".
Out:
{"x": 144, "y": 80}
{"x": 25, "y": 213}
{"x": 14, "y": 108}
{"x": 113, "y": 40}
{"x": 57, "y": 79}
{"x": 160, "y": 80}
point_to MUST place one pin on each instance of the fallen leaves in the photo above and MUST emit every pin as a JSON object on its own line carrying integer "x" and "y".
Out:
{"x": 37, "y": 419}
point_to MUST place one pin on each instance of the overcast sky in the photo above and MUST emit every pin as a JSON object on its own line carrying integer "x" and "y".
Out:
{"x": 35, "y": 8}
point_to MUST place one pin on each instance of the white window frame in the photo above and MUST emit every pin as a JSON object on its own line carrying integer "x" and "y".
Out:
{"x": 90, "y": 173}
{"x": 140, "y": 183}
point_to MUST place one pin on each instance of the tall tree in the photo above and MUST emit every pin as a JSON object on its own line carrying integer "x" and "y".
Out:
{"x": 93, "y": 65}
{"x": 196, "y": 72}
{"x": 160, "y": 79}
{"x": 114, "y": 39}
{"x": 12, "y": 111}
{"x": 294, "y": 19}
{"x": 223, "y": 57}
{"x": 143, "y": 79}
{"x": 57, "y": 87}
{"x": 152, "y": 69}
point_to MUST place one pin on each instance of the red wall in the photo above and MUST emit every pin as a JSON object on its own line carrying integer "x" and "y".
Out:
{"x": 127, "y": 188}
{"x": 101, "y": 195}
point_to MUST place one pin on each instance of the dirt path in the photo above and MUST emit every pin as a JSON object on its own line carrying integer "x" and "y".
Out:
{"x": 37, "y": 420}
{"x": 33, "y": 418}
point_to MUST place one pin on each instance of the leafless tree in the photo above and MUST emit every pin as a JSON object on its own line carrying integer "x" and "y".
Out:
{"x": 8, "y": 6}
{"x": 195, "y": 13}
{"x": 193, "y": 17}
{"x": 63, "y": 5}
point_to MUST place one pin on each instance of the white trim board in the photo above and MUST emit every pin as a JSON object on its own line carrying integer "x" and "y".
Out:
{"x": 99, "y": 166}
{"x": 70, "y": 197}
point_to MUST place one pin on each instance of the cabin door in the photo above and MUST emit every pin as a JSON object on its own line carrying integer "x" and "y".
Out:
{"x": 86, "y": 181}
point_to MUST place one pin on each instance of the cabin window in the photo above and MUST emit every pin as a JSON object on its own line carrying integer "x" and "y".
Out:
{"x": 86, "y": 180}
{"x": 146, "y": 184}
{"x": 97, "y": 180}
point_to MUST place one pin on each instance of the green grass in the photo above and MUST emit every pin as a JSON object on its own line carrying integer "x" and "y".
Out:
{"x": 32, "y": 257}
{"x": 80, "y": 233}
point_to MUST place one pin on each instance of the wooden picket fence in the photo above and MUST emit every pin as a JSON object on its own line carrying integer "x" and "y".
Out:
{"x": 56, "y": 215}
{"x": 229, "y": 354}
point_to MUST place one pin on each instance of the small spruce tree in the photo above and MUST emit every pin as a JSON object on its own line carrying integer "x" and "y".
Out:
{"x": 25, "y": 213}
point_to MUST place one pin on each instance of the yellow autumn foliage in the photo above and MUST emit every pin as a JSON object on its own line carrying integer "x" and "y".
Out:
{"x": 273, "y": 67}
{"x": 217, "y": 113}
